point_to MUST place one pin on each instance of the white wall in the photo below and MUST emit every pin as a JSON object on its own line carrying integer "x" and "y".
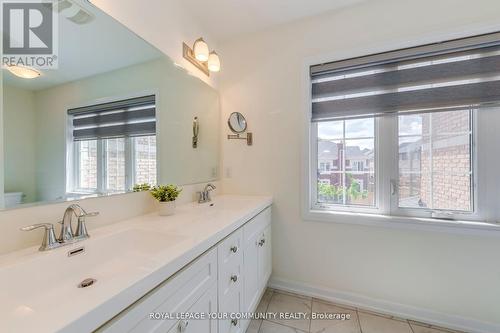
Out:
{"x": 19, "y": 141}
{"x": 163, "y": 23}
{"x": 443, "y": 278}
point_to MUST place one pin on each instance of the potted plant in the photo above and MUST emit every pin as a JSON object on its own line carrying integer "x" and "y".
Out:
{"x": 141, "y": 187}
{"x": 166, "y": 195}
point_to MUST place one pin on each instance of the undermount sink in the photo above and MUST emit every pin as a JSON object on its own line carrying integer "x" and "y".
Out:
{"x": 39, "y": 280}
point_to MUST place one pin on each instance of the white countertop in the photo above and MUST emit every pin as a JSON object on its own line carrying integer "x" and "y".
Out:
{"x": 38, "y": 290}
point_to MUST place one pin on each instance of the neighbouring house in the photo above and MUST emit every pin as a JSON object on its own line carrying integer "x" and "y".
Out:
{"x": 339, "y": 166}
{"x": 435, "y": 164}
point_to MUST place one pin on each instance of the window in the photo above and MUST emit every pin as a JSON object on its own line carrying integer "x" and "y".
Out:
{"x": 86, "y": 154}
{"x": 400, "y": 130}
{"x": 114, "y": 146}
{"x": 437, "y": 171}
{"x": 114, "y": 159}
{"x": 145, "y": 159}
{"x": 346, "y": 144}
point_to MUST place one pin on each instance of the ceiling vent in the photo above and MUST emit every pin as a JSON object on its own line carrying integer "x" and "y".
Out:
{"x": 73, "y": 12}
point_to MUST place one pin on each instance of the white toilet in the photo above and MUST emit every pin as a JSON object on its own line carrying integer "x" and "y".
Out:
{"x": 13, "y": 199}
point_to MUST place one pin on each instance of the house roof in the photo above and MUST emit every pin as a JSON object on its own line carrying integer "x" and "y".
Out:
{"x": 328, "y": 150}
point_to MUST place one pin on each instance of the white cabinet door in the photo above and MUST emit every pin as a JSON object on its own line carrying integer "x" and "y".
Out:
{"x": 256, "y": 258}
{"x": 251, "y": 271}
{"x": 265, "y": 257}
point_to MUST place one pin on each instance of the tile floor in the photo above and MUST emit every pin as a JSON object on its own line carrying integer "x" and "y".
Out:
{"x": 360, "y": 321}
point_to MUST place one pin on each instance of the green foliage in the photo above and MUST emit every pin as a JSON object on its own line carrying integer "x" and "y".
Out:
{"x": 354, "y": 189}
{"x": 336, "y": 193}
{"x": 164, "y": 193}
{"x": 141, "y": 187}
{"x": 330, "y": 192}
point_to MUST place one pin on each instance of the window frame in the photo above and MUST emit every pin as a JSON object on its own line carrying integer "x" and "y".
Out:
{"x": 70, "y": 151}
{"x": 473, "y": 215}
{"x": 102, "y": 168}
{"x": 483, "y": 221}
{"x": 313, "y": 204}
{"x": 487, "y": 223}
{"x": 387, "y": 172}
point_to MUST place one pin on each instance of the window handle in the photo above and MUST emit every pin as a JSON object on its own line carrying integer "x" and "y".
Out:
{"x": 394, "y": 187}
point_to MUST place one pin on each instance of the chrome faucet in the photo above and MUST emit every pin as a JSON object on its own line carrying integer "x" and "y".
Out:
{"x": 66, "y": 227}
{"x": 204, "y": 196}
{"x": 67, "y": 236}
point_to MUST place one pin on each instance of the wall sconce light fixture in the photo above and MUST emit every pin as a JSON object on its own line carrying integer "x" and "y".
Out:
{"x": 201, "y": 57}
{"x": 196, "y": 131}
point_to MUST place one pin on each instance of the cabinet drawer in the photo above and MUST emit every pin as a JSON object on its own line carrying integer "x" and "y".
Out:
{"x": 206, "y": 304}
{"x": 232, "y": 303}
{"x": 175, "y": 295}
{"x": 230, "y": 277}
{"x": 230, "y": 248}
{"x": 256, "y": 225}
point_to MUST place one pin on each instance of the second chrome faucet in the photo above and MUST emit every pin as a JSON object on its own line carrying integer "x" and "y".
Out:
{"x": 66, "y": 236}
{"x": 204, "y": 196}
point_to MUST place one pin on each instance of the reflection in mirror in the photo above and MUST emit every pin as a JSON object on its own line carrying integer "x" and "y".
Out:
{"x": 116, "y": 112}
{"x": 237, "y": 122}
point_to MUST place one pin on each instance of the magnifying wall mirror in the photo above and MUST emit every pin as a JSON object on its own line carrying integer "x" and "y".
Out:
{"x": 237, "y": 122}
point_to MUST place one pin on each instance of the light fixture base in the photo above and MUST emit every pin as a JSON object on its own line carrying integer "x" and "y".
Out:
{"x": 188, "y": 54}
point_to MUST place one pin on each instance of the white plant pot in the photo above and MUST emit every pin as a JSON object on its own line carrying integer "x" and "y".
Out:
{"x": 167, "y": 208}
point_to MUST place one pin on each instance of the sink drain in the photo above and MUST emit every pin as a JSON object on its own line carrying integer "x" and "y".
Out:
{"x": 87, "y": 283}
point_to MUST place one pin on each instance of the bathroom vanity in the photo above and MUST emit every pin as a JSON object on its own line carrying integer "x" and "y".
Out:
{"x": 145, "y": 272}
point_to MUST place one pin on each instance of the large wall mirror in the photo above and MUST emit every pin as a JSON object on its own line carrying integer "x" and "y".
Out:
{"x": 116, "y": 112}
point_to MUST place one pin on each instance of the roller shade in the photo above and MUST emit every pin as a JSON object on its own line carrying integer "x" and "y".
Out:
{"x": 429, "y": 78}
{"x": 131, "y": 117}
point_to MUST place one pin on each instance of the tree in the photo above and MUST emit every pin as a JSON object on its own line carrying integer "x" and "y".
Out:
{"x": 335, "y": 193}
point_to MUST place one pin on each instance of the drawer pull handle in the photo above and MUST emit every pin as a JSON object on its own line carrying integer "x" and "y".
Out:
{"x": 183, "y": 325}
{"x": 262, "y": 242}
{"x": 234, "y": 322}
{"x": 234, "y": 249}
{"x": 234, "y": 278}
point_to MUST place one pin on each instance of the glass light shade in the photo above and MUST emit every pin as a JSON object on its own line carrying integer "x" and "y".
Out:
{"x": 24, "y": 72}
{"x": 213, "y": 62}
{"x": 200, "y": 49}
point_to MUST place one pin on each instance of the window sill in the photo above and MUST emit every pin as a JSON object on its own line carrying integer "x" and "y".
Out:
{"x": 404, "y": 222}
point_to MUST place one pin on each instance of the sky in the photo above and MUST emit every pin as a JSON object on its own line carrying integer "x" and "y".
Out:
{"x": 364, "y": 128}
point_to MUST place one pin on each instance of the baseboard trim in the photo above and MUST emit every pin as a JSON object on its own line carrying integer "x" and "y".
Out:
{"x": 385, "y": 307}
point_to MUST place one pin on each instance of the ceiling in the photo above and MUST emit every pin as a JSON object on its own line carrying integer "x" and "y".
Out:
{"x": 228, "y": 19}
{"x": 99, "y": 46}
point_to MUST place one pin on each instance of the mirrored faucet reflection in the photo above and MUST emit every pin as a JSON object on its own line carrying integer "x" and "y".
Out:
{"x": 204, "y": 196}
{"x": 66, "y": 236}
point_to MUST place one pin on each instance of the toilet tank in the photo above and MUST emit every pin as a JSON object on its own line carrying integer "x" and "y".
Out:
{"x": 13, "y": 198}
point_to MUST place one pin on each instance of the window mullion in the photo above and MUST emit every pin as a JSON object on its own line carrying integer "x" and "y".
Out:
{"x": 313, "y": 174}
{"x": 76, "y": 166}
{"x": 431, "y": 163}
{"x": 387, "y": 162}
{"x": 101, "y": 166}
{"x": 129, "y": 163}
{"x": 344, "y": 185}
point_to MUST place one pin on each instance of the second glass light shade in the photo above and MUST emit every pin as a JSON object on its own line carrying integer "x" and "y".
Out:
{"x": 213, "y": 62}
